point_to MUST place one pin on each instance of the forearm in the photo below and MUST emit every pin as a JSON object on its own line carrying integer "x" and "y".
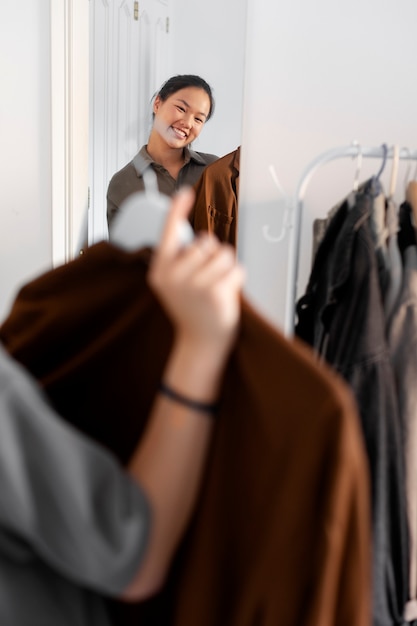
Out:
{"x": 199, "y": 287}
{"x": 170, "y": 460}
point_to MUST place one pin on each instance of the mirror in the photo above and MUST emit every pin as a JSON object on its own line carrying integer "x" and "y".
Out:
{"x": 46, "y": 88}
{"x": 134, "y": 48}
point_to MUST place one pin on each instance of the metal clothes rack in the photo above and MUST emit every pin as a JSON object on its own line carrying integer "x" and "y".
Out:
{"x": 354, "y": 150}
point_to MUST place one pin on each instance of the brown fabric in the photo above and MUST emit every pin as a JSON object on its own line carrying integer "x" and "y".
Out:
{"x": 216, "y": 205}
{"x": 281, "y": 531}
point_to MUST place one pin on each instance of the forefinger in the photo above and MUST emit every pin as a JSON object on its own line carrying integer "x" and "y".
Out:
{"x": 170, "y": 241}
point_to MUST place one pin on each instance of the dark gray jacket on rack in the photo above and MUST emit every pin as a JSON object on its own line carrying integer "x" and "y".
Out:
{"x": 342, "y": 316}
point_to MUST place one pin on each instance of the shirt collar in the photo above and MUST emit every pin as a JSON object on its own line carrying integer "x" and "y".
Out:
{"x": 143, "y": 159}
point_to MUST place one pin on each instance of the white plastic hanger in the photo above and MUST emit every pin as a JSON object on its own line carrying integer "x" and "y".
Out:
{"x": 394, "y": 171}
{"x": 407, "y": 175}
{"x": 141, "y": 218}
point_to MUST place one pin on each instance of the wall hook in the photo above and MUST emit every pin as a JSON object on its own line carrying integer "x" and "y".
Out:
{"x": 286, "y": 222}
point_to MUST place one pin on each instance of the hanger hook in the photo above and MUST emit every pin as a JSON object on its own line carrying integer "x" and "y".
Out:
{"x": 150, "y": 181}
{"x": 384, "y": 160}
{"x": 407, "y": 175}
{"x": 286, "y": 224}
{"x": 359, "y": 158}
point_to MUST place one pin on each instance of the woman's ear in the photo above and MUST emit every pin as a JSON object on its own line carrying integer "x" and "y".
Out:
{"x": 156, "y": 103}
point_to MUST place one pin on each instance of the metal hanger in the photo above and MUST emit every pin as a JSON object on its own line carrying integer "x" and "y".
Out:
{"x": 359, "y": 159}
{"x": 394, "y": 171}
{"x": 384, "y": 160}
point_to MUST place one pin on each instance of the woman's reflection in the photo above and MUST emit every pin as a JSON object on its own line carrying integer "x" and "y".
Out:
{"x": 180, "y": 109}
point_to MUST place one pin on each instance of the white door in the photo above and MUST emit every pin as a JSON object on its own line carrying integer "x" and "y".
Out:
{"x": 128, "y": 61}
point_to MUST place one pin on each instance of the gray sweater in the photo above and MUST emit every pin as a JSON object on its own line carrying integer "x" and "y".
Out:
{"x": 73, "y": 525}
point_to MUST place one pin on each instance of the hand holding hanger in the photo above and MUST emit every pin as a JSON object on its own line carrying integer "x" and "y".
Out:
{"x": 141, "y": 218}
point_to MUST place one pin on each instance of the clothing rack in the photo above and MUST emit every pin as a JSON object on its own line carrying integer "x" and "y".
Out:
{"x": 354, "y": 150}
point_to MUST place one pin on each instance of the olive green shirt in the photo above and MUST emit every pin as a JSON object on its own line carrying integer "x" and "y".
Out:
{"x": 129, "y": 179}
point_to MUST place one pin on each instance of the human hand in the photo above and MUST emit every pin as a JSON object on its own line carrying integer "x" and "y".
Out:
{"x": 198, "y": 285}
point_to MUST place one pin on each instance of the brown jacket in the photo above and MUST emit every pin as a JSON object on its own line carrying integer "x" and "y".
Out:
{"x": 281, "y": 531}
{"x": 216, "y": 204}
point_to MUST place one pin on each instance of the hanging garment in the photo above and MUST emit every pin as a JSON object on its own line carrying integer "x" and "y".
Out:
{"x": 379, "y": 232}
{"x": 384, "y": 227}
{"x": 406, "y": 235}
{"x": 402, "y": 341}
{"x": 393, "y": 290}
{"x": 320, "y": 224}
{"x": 281, "y": 532}
{"x": 216, "y": 205}
{"x": 342, "y": 316}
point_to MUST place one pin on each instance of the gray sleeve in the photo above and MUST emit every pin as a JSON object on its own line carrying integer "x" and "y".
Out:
{"x": 62, "y": 495}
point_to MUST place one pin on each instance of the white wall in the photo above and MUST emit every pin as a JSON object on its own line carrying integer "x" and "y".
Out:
{"x": 318, "y": 75}
{"x": 209, "y": 40}
{"x": 25, "y": 163}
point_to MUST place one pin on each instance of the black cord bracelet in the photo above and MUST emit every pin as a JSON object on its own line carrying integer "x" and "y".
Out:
{"x": 188, "y": 402}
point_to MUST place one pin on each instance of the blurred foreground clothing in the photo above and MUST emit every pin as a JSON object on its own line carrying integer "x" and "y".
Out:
{"x": 64, "y": 540}
{"x": 281, "y": 534}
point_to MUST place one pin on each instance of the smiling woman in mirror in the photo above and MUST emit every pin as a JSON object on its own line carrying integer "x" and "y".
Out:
{"x": 181, "y": 108}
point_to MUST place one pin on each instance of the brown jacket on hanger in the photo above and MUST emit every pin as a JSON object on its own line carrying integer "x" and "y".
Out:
{"x": 281, "y": 531}
{"x": 216, "y": 204}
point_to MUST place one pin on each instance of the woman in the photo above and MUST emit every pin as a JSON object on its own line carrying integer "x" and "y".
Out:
{"x": 180, "y": 109}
